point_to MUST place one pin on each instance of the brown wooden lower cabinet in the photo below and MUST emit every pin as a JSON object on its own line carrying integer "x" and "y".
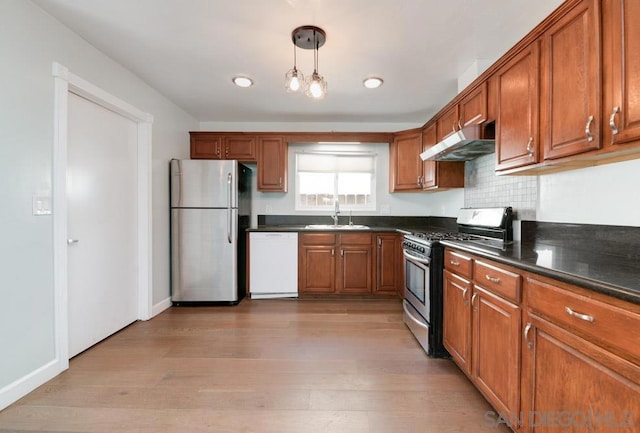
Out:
{"x": 389, "y": 266}
{"x": 457, "y": 319}
{"x": 570, "y": 384}
{"x": 334, "y": 263}
{"x": 548, "y": 356}
{"x": 496, "y": 349}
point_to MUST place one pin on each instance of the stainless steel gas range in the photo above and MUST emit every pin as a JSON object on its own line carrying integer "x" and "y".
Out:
{"x": 424, "y": 265}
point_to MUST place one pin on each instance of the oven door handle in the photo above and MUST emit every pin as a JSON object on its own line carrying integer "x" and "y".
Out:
{"x": 415, "y": 259}
{"x": 413, "y": 318}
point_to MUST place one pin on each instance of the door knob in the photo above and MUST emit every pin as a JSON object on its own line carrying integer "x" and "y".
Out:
{"x": 72, "y": 241}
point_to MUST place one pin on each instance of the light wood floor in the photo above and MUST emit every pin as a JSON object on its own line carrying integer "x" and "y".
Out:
{"x": 281, "y": 366}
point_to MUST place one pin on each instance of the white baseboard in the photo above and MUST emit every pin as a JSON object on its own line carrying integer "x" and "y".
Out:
{"x": 23, "y": 386}
{"x": 160, "y": 306}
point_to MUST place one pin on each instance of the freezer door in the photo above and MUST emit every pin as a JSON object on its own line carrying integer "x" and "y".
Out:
{"x": 204, "y": 264}
{"x": 204, "y": 184}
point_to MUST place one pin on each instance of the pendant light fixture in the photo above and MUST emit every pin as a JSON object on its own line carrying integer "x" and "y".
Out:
{"x": 308, "y": 38}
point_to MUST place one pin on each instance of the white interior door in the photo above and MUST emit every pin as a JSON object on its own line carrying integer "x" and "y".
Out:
{"x": 101, "y": 223}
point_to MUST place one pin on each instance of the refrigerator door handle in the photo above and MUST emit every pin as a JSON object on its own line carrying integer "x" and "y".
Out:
{"x": 229, "y": 214}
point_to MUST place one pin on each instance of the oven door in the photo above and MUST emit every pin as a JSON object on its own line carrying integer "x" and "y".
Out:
{"x": 416, "y": 284}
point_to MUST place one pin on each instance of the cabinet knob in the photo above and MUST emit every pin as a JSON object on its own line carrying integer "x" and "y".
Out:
{"x": 587, "y": 129}
{"x": 612, "y": 121}
{"x": 494, "y": 280}
{"x": 464, "y": 296}
{"x": 473, "y": 300}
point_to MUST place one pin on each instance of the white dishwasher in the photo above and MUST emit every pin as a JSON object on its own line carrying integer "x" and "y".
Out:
{"x": 273, "y": 265}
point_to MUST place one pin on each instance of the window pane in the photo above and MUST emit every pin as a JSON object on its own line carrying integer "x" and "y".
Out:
{"x": 316, "y": 183}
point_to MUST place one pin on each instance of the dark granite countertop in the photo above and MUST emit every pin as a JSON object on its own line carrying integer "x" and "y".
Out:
{"x": 614, "y": 275}
{"x": 303, "y": 228}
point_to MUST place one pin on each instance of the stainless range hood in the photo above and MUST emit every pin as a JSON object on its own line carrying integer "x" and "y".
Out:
{"x": 463, "y": 145}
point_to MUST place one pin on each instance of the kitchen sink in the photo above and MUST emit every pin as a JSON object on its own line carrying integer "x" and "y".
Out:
{"x": 336, "y": 227}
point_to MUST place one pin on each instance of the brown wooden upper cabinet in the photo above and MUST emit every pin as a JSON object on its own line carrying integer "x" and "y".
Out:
{"x": 439, "y": 174}
{"x": 213, "y": 145}
{"x": 405, "y": 165}
{"x": 447, "y": 123}
{"x": 517, "y": 98}
{"x": 272, "y": 164}
{"x": 621, "y": 69}
{"x": 571, "y": 83}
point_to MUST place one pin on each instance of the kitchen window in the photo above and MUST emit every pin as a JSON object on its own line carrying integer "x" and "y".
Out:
{"x": 324, "y": 177}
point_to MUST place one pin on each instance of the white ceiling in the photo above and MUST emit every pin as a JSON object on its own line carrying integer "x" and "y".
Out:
{"x": 190, "y": 49}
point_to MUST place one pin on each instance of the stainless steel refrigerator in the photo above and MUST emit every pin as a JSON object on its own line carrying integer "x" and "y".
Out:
{"x": 210, "y": 210}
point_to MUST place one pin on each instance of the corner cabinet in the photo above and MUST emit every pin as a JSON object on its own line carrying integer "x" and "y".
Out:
{"x": 571, "y": 83}
{"x": 272, "y": 164}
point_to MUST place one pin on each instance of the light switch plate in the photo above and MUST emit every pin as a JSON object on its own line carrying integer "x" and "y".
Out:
{"x": 41, "y": 205}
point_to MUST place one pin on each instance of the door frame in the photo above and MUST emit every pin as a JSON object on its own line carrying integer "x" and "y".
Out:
{"x": 64, "y": 83}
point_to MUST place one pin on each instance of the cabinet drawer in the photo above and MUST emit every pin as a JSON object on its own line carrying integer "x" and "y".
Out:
{"x": 498, "y": 280}
{"x": 318, "y": 239}
{"x": 608, "y": 325}
{"x": 457, "y": 263}
{"x": 355, "y": 239}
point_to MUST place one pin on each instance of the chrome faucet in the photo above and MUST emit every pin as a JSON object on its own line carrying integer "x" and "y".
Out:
{"x": 336, "y": 211}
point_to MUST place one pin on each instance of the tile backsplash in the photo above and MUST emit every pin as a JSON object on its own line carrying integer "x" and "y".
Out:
{"x": 484, "y": 189}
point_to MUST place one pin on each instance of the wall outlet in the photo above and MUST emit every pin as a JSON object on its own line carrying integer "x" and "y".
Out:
{"x": 268, "y": 209}
{"x": 385, "y": 209}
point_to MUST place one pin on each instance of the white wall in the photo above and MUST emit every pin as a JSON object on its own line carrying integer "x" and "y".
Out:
{"x": 30, "y": 41}
{"x": 445, "y": 203}
{"x": 606, "y": 194}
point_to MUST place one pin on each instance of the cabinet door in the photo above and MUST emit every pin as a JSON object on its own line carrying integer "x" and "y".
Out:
{"x": 355, "y": 269}
{"x": 570, "y": 90}
{"x": 405, "y": 164}
{"x": 355, "y": 273}
{"x": 317, "y": 269}
{"x": 572, "y": 385}
{"x": 457, "y": 320}
{"x": 517, "y": 111}
{"x": 621, "y": 68}
{"x": 496, "y": 349}
{"x": 473, "y": 108}
{"x": 429, "y": 171}
{"x": 272, "y": 164}
{"x": 388, "y": 270}
{"x": 242, "y": 148}
{"x": 448, "y": 122}
{"x": 206, "y": 146}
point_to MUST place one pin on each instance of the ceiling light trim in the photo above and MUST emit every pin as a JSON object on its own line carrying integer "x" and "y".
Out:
{"x": 242, "y": 81}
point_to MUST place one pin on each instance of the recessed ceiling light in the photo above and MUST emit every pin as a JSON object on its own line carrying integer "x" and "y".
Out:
{"x": 372, "y": 82}
{"x": 242, "y": 81}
